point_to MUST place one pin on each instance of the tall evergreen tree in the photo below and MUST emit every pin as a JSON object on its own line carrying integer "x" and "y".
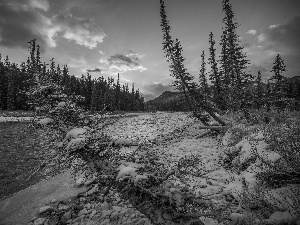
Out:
{"x": 202, "y": 78}
{"x": 259, "y": 92}
{"x": 278, "y": 69}
{"x": 233, "y": 60}
{"x": 214, "y": 76}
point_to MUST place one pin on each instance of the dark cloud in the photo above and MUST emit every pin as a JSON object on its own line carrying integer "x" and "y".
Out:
{"x": 120, "y": 59}
{"x": 18, "y": 24}
{"x": 97, "y": 70}
{"x": 22, "y": 21}
{"x": 125, "y": 62}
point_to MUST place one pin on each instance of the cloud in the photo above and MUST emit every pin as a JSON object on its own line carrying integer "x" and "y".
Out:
{"x": 123, "y": 63}
{"x": 81, "y": 30}
{"x": 272, "y": 26}
{"x": 40, "y": 4}
{"x": 252, "y": 32}
{"x": 277, "y": 39}
{"x": 22, "y": 22}
{"x": 96, "y": 70}
{"x": 19, "y": 23}
{"x": 283, "y": 37}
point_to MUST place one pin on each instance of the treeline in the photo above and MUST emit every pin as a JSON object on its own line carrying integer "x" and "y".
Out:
{"x": 100, "y": 93}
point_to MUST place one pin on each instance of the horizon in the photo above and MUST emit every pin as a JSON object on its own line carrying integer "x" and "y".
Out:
{"x": 105, "y": 38}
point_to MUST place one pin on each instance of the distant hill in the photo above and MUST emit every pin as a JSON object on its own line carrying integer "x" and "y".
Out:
{"x": 167, "y": 101}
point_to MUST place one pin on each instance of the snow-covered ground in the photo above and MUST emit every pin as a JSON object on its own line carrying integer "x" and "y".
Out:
{"x": 174, "y": 136}
{"x": 222, "y": 186}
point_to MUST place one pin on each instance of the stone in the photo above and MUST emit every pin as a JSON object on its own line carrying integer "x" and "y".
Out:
{"x": 93, "y": 213}
{"x": 65, "y": 217}
{"x": 88, "y": 206}
{"x": 80, "y": 181}
{"x": 105, "y": 206}
{"x": 83, "y": 212}
{"x": 78, "y": 219}
{"x": 141, "y": 221}
{"x": 39, "y": 221}
{"x": 117, "y": 208}
{"x": 96, "y": 217}
{"x": 106, "y": 213}
{"x": 46, "y": 209}
{"x": 114, "y": 215}
{"x": 104, "y": 222}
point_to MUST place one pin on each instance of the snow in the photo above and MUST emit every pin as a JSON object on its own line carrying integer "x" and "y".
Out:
{"x": 14, "y": 119}
{"x": 75, "y": 142}
{"x": 61, "y": 104}
{"x": 280, "y": 218}
{"x": 75, "y": 133}
{"x": 128, "y": 169}
{"x": 216, "y": 182}
{"x": 45, "y": 121}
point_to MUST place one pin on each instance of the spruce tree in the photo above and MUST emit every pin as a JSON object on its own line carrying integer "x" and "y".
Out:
{"x": 278, "y": 69}
{"x": 214, "y": 75}
{"x": 202, "y": 78}
{"x": 233, "y": 60}
{"x": 259, "y": 92}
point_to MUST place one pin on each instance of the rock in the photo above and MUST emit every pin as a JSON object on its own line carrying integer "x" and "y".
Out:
{"x": 39, "y": 221}
{"x": 78, "y": 219}
{"x": 105, "y": 206}
{"x": 106, "y": 213}
{"x": 88, "y": 206}
{"x": 96, "y": 217}
{"x": 117, "y": 208}
{"x": 65, "y": 217}
{"x": 80, "y": 181}
{"x": 53, "y": 201}
{"x": 46, "y": 209}
{"x": 84, "y": 212}
{"x": 80, "y": 207}
{"x": 141, "y": 221}
{"x": 93, "y": 213}
{"x": 104, "y": 222}
{"x": 52, "y": 221}
{"x": 114, "y": 215}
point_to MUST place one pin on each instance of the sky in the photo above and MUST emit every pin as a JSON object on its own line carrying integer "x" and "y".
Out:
{"x": 107, "y": 37}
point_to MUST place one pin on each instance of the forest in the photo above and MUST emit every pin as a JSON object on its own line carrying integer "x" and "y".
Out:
{"x": 16, "y": 80}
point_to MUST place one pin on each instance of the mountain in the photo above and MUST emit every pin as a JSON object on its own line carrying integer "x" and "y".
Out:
{"x": 167, "y": 101}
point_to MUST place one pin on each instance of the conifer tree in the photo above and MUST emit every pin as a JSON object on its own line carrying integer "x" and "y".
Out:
{"x": 278, "y": 69}
{"x": 233, "y": 60}
{"x": 203, "y": 80}
{"x": 259, "y": 98}
{"x": 214, "y": 76}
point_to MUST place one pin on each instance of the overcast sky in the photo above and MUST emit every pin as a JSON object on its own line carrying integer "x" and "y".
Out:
{"x": 107, "y": 37}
